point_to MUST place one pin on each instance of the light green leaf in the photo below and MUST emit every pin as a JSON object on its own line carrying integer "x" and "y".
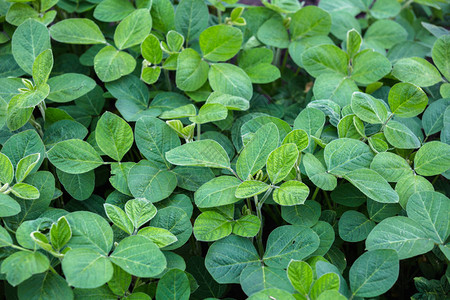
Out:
{"x": 42, "y": 66}
{"x": 210, "y": 112}
{"x": 345, "y": 155}
{"x": 299, "y": 137}
{"x": 326, "y": 282}
{"x": 45, "y": 286}
{"x": 310, "y": 120}
{"x": 173, "y": 285}
{"x": 255, "y": 154}
{"x": 77, "y": 31}
{"x": 306, "y": 214}
{"x": 291, "y": 193}
{"x": 370, "y": 66}
{"x": 325, "y": 59}
{"x": 310, "y": 21}
{"x": 372, "y": 185}
{"x": 317, "y": 173}
{"x": 74, "y": 157}
{"x": 86, "y": 268}
{"x": 5, "y": 238}
{"x": 151, "y": 50}
{"x": 69, "y": 86}
{"x": 159, "y": 236}
{"x": 220, "y": 42}
{"x": 300, "y": 275}
{"x": 441, "y": 55}
{"x": 191, "y": 18}
{"x": 374, "y": 273}
{"x": 335, "y": 87}
{"x": 26, "y": 165}
{"x": 247, "y": 226}
{"x": 257, "y": 63}
{"x": 385, "y": 34}
{"x": 391, "y": 166}
{"x": 79, "y": 186}
{"x": 17, "y": 116}
{"x": 230, "y": 79}
{"x": 8, "y": 207}
{"x": 410, "y": 184}
{"x": 6, "y": 169}
{"x": 433, "y": 158}
{"x": 353, "y": 43}
{"x": 21, "y": 265}
{"x": 384, "y": 9}
{"x": 407, "y": 100}
{"x": 111, "y": 64}
{"x": 272, "y": 293}
{"x": 113, "y": 10}
{"x": 113, "y": 135}
{"x": 273, "y": 32}
{"x": 258, "y": 278}
{"x": 29, "y": 99}
{"x": 146, "y": 180}
{"x": 139, "y": 211}
{"x": 139, "y": 256}
{"x": 25, "y": 191}
{"x": 250, "y": 188}
{"x": 133, "y": 29}
{"x": 229, "y": 101}
{"x": 368, "y": 108}
{"x": 289, "y": 242}
{"x": 227, "y": 258}
{"x": 281, "y": 161}
{"x": 60, "y": 233}
{"x": 400, "y": 136}
{"x": 217, "y": 192}
{"x": 433, "y": 117}
{"x": 204, "y": 153}
{"x": 354, "y": 226}
{"x": 192, "y": 71}
{"x": 417, "y": 71}
{"x": 119, "y": 218}
{"x": 430, "y": 209}
{"x": 211, "y": 226}
{"x": 29, "y": 40}
{"x": 401, "y": 234}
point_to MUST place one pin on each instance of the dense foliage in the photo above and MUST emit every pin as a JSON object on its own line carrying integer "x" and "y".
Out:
{"x": 190, "y": 149}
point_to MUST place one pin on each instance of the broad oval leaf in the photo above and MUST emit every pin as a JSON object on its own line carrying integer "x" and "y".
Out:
{"x": 230, "y": 79}
{"x": 217, "y": 192}
{"x": 133, "y": 29}
{"x": 291, "y": 193}
{"x": 368, "y": 108}
{"x": 281, "y": 161}
{"x": 433, "y": 158}
{"x": 113, "y": 135}
{"x": 417, "y": 71}
{"x": 407, "y": 100}
{"x": 220, "y": 42}
{"x": 77, "y": 31}
{"x": 400, "y": 136}
{"x": 211, "y": 226}
{"x": 391, "y": 166}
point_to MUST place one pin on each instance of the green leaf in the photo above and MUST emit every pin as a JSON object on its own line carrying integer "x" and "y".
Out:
{"x": 306, "y": 214}
{"x": 111, "y": 64}
{"x": 325, "y": 59}
{"x": 401, "y": 234}
{"x": 17, "y": 116}
{"x": 21, "y": 265}
{"x": 354, "y": 226}
{"x": 151, "y": 50}
{"x": 45, "y": 286}
{"x": 173, "y": 285}
{"x": 353, "y": 42}
{"x": 91, "y": 231}
{"x": 113, "y": 10}
{"x": 417, "y": 71}
{"x": 272, "y": 293}
{"x": 433, "y": 158}
{"x": 139, "y": 256}
{"x": 291, "y": 193}
{"x": 6, "y": 169}
{"x": 384, "y": 34}
{"x": 250, "y": 188}
{"x": 42, "y": 66}
{"x": 326, "y": 235}
{"x": 310, "y": 120}
{"x": 345, "y": 155}
{"x": 384, "y": 9}
{"x": 175, "y": 41}
{"x": 433, "y": 117}
{"x": 257, "y": 63}
{"x": 229, "y": 101}
{"x": 159, "y": 236}
{"x": 211, "y": 226}
{"x": 317, "y": 173}
{"x": 77, "y": 31}
{"x": 191, "y": 18}
{"x": 374, "y": 273}
{"x": 220, "y": 42}
{"x": 247, "y": 226}
{"x": 227, "y": 258}
{"x": 217, "y": 192}
{"x": 255, "y": 154}
{"x": 86, "y": 268}
{"x": 273, "y": 32}
{"x": 26, "y": 165}
{"x": 70, "y": 86}
{"x": 370, "y": 66}
{"x": 113, "y": 135}
{"x": 119, "y": 218}
{"x": 60, "y": 233}
{"x": 204, "y": 153}
{"x": 230, "y": 79}
{"x": 257, "y": 278}
{"x": 299, "y": 137}
{"x": 210, "y": 112}
{"x": 74, "y": 157}
{"x": 368, "y": 108}
{"x": 400, "y": 136}
{"x": 139, "y": 211}
{"x": 300, "y": 275}
{"x": 441, "y": 55}
{"x": 335, "y": 87}
{"x": 407, "y": 100}
{"x": 192, "y": 71}
{"x": 25, "y": 191}
{"x": 147, "y": 181}
{"x": 289, "y": 242}
{"x": 28, "y": 99}
{"x": 5, "y": 238}
{"x": 430, "y": 209}
{"x": 410, "y": 184}
{"x": 133, "y": 29}
{"x": 281, "y": 161}
{"x": 29, "y": 40}
{"x": 8, "y": 206}
{"x": 310, "y": 21}
{"x": 391, "y": 166}
{"x": 372, "y": 185}
{"x": 326, "y": 282}
{"x": 79, "y": 186}
{"x": 120, "y": 282}
{"x": 331, "y": 295}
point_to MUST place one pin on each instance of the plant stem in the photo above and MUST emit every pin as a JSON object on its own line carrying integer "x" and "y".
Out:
{"x": 327, "y": 199}
{"x": 260, "y": 232}
{"x": 219, "y": 16}
{"x": 167, "y": 77}
{"x": 316, "y": 191}
{"x": 199, "y": 132}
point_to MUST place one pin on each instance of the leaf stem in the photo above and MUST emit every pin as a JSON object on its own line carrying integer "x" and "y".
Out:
{"x": 199, "y": 132}
{"x": 316, "y": 191}
{"x": 260, "y": 232}
{"x": 167, "y": 78}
